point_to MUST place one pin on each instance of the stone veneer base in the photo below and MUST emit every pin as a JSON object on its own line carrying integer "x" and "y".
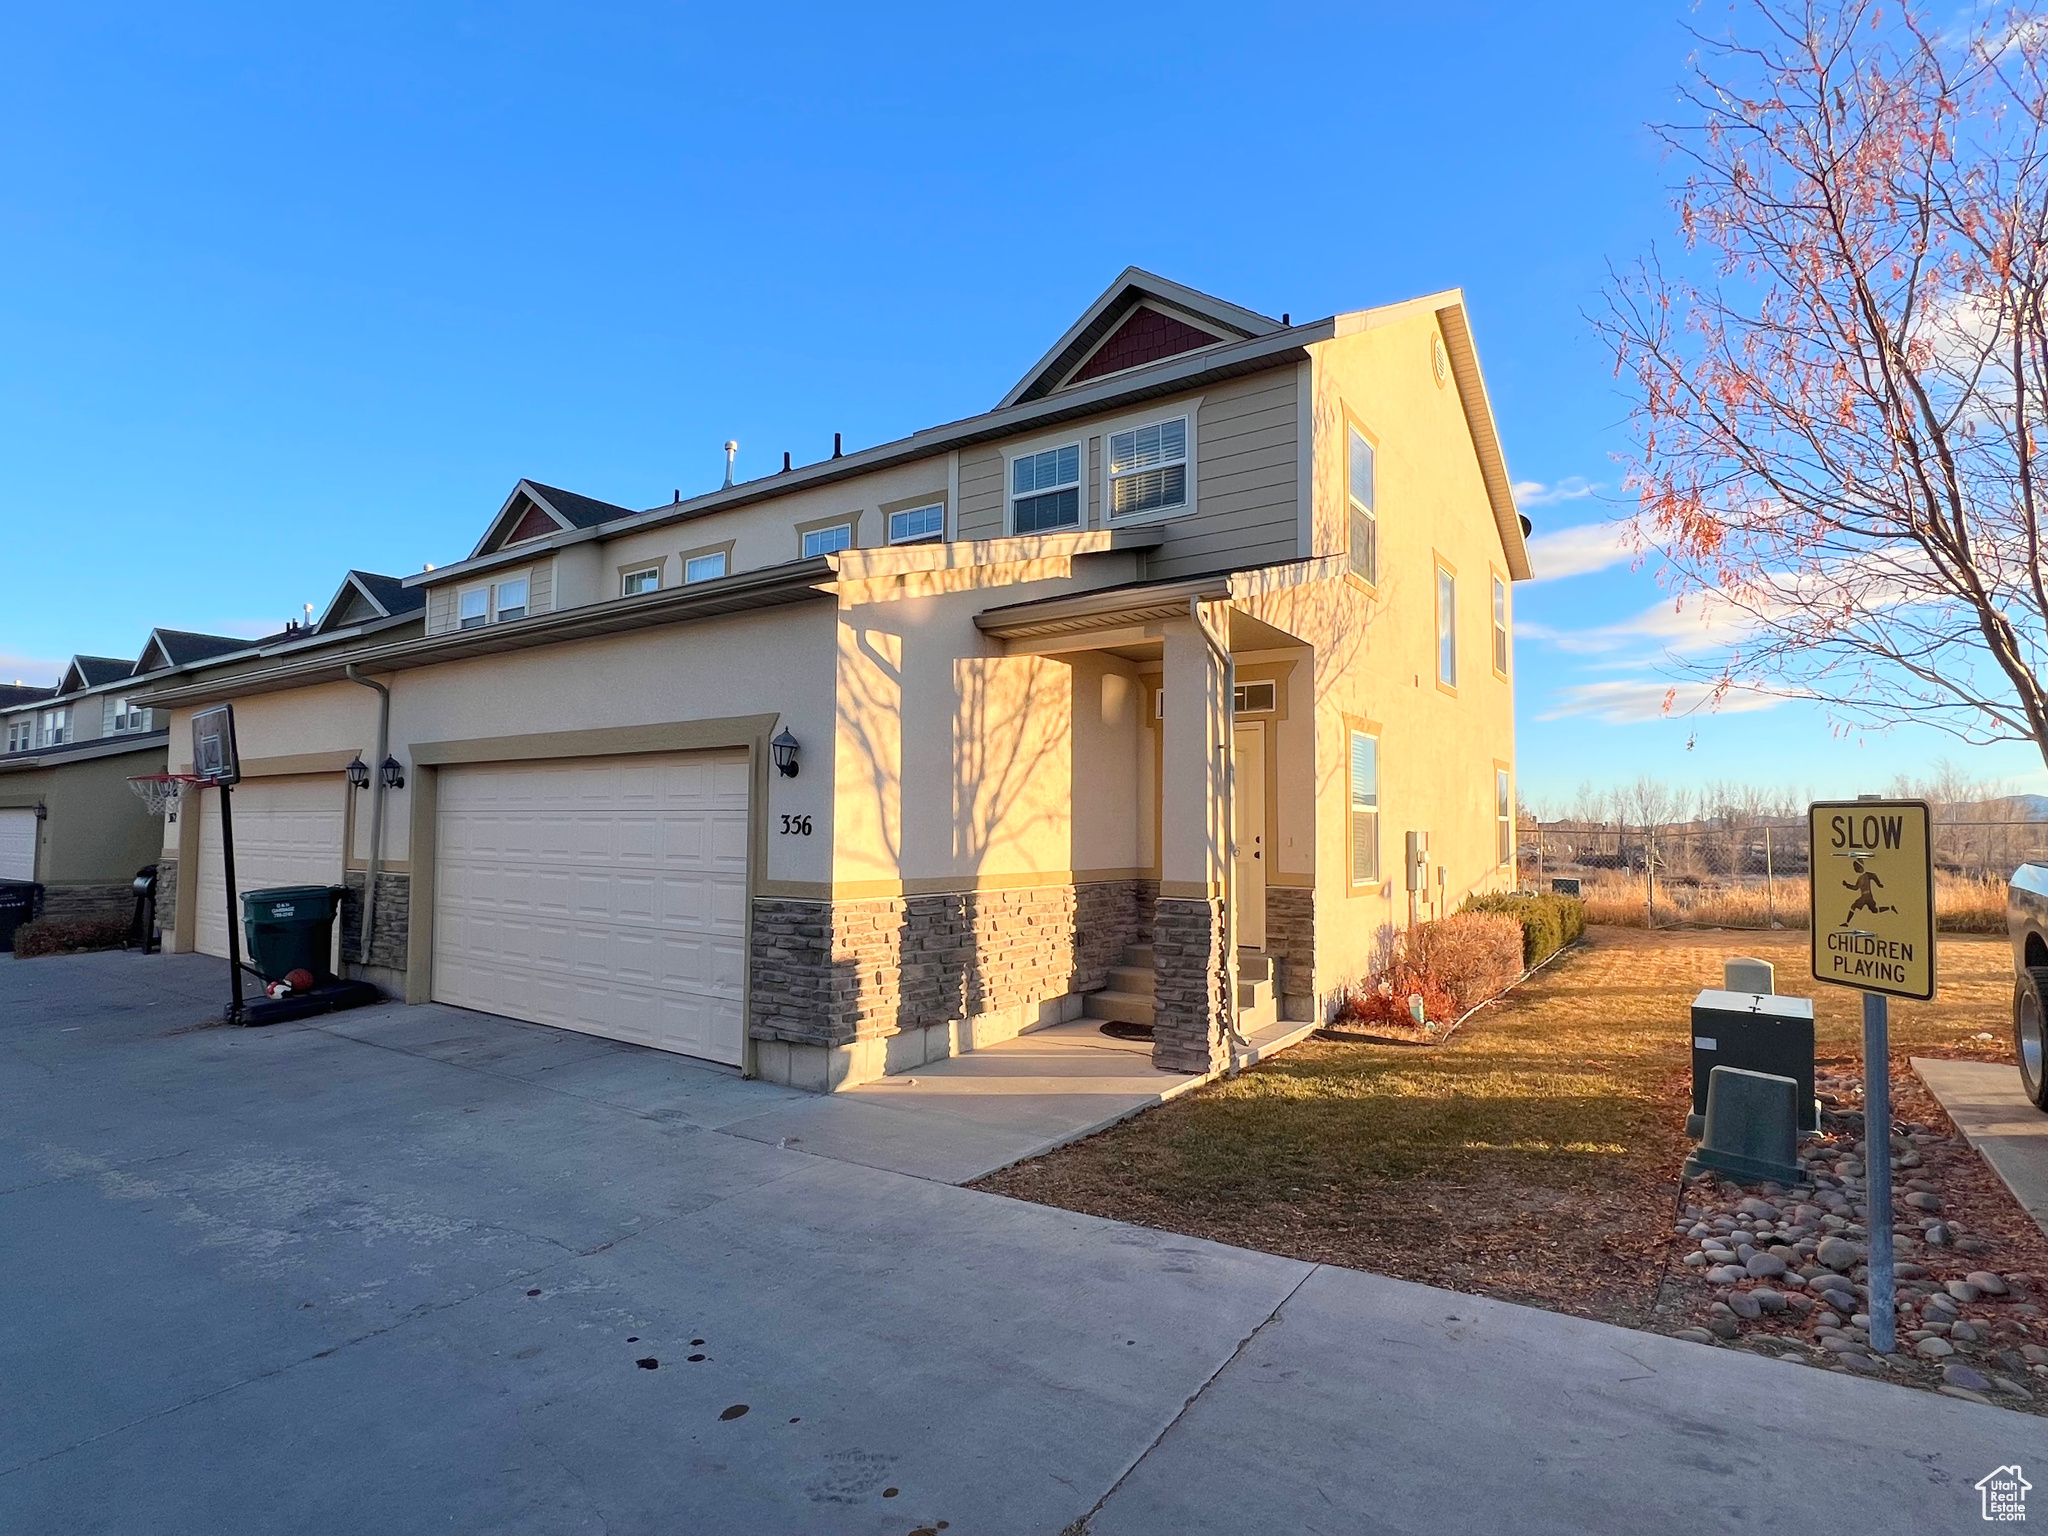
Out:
{"x": 828, "y": 1068}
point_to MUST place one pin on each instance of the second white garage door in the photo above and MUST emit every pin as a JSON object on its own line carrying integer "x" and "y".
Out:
{"x": 18, "y": 843}
{"x": 287, "y": 832}
{"x": 607, "y": 895}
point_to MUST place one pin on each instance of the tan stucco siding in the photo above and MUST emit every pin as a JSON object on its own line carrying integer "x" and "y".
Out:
{"x": 94, "y": 831}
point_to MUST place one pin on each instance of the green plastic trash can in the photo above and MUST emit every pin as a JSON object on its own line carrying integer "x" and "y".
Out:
{"x": 290, "y": 928}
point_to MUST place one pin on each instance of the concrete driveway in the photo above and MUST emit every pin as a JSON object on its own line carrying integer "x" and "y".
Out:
{"x": 399, "y": 1271}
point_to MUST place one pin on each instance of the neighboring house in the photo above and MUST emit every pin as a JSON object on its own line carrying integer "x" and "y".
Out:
{"x": 1203, "y": 579}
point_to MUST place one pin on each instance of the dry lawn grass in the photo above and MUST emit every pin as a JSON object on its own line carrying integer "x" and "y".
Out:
{"x": 1961, "y": 904}
{"x": 1533, "y": 1157}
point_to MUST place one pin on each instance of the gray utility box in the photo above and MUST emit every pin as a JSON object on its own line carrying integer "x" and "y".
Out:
{"x": 1756, "y": 1032}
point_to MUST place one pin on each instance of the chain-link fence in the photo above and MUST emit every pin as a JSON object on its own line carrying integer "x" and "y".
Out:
{"x": 1756, "y": 876}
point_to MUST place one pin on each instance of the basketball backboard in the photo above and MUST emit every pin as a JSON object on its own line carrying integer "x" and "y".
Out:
{"x": 213, "y": 746}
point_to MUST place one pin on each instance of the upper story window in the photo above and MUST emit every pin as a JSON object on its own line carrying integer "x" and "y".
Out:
{"x": 54, "y": 728}
{"x": 918, "y": 525}
{"x": 646, "y": 579}
{"x": 1365, "y": 526}
{"x": 123, "y": 715}
{"x": 1446, "y": 627}
{"x": 493, "y": 604}
{"x": 1365, "y": 808}
{"x": 824, "y": 541}
{"x": 1148, "y": 468}
{"x": 21, "y": 735}
{"x": 1045, "y": 490}
{"x": 1500, "y": 625}
{"x": 712, "y": 566}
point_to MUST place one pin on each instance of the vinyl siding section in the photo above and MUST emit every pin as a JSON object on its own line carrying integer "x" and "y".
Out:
{"x": 540, "y": 588}
{"x": 1246, "y": 480}
{"x": 440, "y": 610}
{"x": 981, "y": 494}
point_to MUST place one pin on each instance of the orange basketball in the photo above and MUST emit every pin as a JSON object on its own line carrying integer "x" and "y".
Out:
{"x": 299, "y": 980}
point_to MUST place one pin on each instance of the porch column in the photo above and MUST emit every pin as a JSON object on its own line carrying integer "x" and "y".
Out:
{"x": 1188, "y": 932}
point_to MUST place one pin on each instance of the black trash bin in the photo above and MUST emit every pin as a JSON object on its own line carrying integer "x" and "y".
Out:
{"x": 20, "y": 900}
{"x": 142, "y": 926}
{"x": 290, "y": 928}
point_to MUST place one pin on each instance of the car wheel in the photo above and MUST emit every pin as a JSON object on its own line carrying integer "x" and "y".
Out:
{"x": 2030, "y": 1032}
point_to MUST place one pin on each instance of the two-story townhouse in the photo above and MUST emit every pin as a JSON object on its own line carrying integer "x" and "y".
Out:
{"x": 1123, "y": 697}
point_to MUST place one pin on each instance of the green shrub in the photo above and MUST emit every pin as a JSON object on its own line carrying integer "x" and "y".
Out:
{"x": 1548, "y": 922}
{"x": 68, "y": 935}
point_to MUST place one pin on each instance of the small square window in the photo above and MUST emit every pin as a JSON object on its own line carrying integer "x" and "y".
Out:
{"x": 512, "y": 599}
{"x": 917, "y": 525}
{"x": 1148, "y": 468}
{"x": 1045, "y": 490}
{"x": 1256, "y": 698}
{"x": 825, "y": 541}
{"x": 476, "y": 608}
{"x": 704, "y": 567}
{"x": 646, "y": 579}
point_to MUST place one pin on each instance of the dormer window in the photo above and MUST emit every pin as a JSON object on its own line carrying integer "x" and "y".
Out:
{"x": 54, "y": 728}
{"x": 511, "y": 599}
{"x": 1045, "y": 490}
{"x": 21, "y": 735}
{"x": 123, "y": 715}
{"x": 476, "y": 608}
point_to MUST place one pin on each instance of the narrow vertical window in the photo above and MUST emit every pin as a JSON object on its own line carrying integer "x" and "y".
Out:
{"x": 1365, "y": 808}
{"x": 1505, "y": 816}
{"x": 1365, "y": 528}
{"x": 1446, "y": 628}
{"x": 1500, "y": 626}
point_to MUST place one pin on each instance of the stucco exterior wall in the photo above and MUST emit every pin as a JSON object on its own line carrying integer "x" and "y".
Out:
{"x": 94, "y": 832}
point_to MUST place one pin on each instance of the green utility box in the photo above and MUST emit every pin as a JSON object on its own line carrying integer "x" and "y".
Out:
{"x": 290, "y": 928}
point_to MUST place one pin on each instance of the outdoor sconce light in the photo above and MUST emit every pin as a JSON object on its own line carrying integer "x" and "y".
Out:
{"x": 784, "y": 747}
{"x": 358, "y": 773}
{"x": 394, "y": 775}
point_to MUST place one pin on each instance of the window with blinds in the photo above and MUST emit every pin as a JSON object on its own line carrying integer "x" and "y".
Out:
{"x": 1365, "y": 528}
{"x": 1148, "y": 468}
{"x": 1365, "y": 808}
{"x": 1045, "y": 490}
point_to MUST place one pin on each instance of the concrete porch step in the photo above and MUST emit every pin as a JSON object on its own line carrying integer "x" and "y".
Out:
{"x": 1123, "y": 1007}
{"x": 1139, "y": 956}
{"x": 1256, "y": 996}
{"x": 1141, "y": 979}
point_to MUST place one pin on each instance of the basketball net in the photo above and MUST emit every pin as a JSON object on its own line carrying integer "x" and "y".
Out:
{"x": 161, "y": 791}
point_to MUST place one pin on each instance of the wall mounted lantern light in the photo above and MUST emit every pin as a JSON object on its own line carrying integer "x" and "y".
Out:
{"x": 784, "y": 748}
{"x": 358, "y": 773}
{"x": 393, "y": 774}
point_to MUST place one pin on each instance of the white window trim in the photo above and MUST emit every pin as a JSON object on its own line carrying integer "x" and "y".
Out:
{"x": 945, "y": 514}
{"x": 525, "y": 579}
{"x": 804, "y": 538}
{"x": 1504, "y": 816}
{"x": 1192, "y": 410}
{"x": 60, "y": 719}
{"x": 1028, "y": 450}
{"x": 653, "y": 567}
{"x": 1443, "y": 630}
{"x": 1351, "y": 812}
{"x": 464, "y": 592}
{"x": 1500, "y": 638}
{"x": 723, "y": 557}
{"x": 1352, "y": 509}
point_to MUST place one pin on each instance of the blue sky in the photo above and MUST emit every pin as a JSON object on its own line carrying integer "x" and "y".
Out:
{"x": 285, "y": 291}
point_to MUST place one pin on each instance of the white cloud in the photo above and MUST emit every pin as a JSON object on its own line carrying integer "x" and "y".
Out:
{"x": 1630, "y": 701}
{"x": 1534, "y": 493}
{"x": 36, "y": 671}
{"x": 1697, "y": 621}
{"x": 1578, "y": 551}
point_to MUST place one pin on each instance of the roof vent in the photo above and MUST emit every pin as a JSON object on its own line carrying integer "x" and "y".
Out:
{"x": 837, "y": 450}
{"x": 731, "y": 449}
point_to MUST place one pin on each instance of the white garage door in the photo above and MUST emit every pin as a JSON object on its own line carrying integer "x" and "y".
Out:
{"x": 607, "y": 895}
{"x": 18, "y": 844}
{"x": 287, "y": 832}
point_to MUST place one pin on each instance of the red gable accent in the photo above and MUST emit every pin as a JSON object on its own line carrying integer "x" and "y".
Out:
{"x": 535, "y": 525}
{"x": 1145, "y": 337}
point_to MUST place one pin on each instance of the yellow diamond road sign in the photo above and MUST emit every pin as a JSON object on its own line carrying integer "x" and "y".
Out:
{"x": 1873, "y": 896}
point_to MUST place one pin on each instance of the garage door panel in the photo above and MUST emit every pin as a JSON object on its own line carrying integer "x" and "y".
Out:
{"x": 606, "y": 896}
{"x": 288, "y": 831}
{"x": 18, "y": 826}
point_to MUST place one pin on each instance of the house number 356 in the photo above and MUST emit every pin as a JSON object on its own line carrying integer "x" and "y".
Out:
{"x": 796, "y": 826}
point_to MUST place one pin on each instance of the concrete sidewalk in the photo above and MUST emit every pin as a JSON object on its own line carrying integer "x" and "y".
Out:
{"x": 399, "y": 1273}
{"x": 1984, "y": 1099}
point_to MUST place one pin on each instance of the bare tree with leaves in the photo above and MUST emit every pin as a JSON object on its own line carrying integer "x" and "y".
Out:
{"x": 1839, "y": 402}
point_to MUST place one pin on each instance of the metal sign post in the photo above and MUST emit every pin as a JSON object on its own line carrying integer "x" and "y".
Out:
{"x": 1872, "y": 882}
{"x": 216, "y": 762}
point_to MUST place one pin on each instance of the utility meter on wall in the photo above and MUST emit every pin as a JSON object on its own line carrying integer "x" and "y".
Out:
{"x": 1418, "y": 861}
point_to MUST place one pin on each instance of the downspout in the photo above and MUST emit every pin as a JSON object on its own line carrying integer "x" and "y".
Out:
{"x": 1226, "y": 756}
{"x": 376, "y": 807}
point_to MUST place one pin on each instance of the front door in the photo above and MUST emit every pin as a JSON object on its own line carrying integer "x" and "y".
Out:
{"x": 1250, "y": 832}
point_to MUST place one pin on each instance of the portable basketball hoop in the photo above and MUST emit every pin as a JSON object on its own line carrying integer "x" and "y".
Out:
{"x": 161, "y": 792}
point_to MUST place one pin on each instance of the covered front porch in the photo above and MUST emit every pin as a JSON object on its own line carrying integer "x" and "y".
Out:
{"x": 1215, "y": 788}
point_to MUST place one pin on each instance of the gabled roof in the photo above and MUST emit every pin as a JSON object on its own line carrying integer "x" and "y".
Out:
{"x": 564, "y": 509}
{"x": 1189, "y": 315}
{"x": 365, "y": 596}
{"x": 13, "y": 694}
{"x": 90, "y": 671}
{"x": 182, "y": 647}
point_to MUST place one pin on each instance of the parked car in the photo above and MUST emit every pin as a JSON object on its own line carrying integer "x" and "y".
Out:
{"x": 2026, "y": 919}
